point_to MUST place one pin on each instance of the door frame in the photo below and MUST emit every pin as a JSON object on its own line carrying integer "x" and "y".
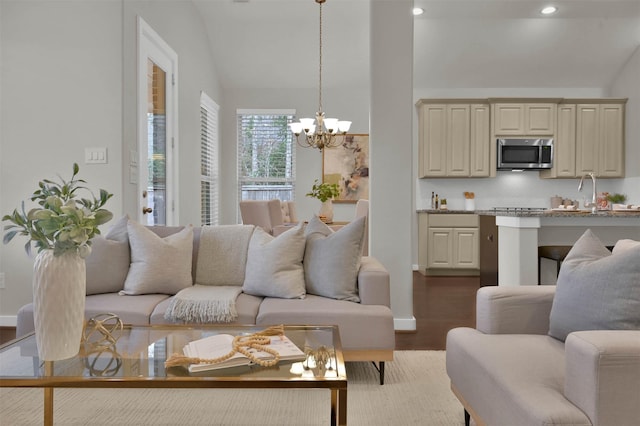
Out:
{"x": 152, "y": 46}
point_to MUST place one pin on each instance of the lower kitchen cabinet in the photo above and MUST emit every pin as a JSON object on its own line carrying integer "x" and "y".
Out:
{"x": 448, "y": 243}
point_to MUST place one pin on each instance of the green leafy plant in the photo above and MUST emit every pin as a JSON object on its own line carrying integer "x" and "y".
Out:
{"x": 324, "y": 191}
{"x": 617, "y": 198}
{"x": 63, "y": 221}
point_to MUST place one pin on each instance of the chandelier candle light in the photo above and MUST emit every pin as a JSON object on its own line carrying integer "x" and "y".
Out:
{"x": 321, "y": 133}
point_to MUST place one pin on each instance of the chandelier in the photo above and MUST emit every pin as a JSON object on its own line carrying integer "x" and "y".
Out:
{"x": 321, "y": 132}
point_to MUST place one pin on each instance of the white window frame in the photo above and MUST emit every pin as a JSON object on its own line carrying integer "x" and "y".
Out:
{"x": 291, "y": 151}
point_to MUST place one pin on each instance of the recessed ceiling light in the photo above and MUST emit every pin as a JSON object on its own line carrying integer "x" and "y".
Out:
{"x": 549, "y": 10}
{"x": 417, "y": 11}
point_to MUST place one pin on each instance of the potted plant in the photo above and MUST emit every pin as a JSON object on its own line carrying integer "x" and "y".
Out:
{"x": 325, "y": 192}
{"x": 61, "y": 228}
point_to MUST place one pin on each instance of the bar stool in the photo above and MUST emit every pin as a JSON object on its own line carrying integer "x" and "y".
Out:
{"x": 557, "y": 253}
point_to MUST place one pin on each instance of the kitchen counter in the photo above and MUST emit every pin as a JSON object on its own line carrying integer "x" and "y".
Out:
{"x": 545, "y": 213}
{"x": 520, "y": 233}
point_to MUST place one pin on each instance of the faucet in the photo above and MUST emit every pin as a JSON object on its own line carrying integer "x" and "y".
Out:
{"x": 593, "y": 204}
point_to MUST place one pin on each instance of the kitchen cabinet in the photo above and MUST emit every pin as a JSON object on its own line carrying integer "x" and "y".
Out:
{"x": 448, "y": 243}
{"x": 589, "y": 139}
{"x": 454, "y": 138}
{"x": 564, "y": 145}
{"x": 524, "y": 119}
{"x": 600, "y": 139}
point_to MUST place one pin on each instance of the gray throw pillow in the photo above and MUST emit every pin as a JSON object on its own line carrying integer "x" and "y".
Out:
{"x": 158, "y": 265}
{"x": 222, "y": 254}
{"x": 332, "y": 259}
{"x": 274, "y": 265}
{"x": 596, "y": 290}
{"x": 108, "y": 263}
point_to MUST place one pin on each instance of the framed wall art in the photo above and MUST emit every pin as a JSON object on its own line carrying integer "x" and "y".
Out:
{"x": 348, "y": 166}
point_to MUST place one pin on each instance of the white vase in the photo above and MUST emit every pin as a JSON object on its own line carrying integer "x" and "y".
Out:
{"x": 326, "y": 211}
{"x": 59, "y": 288}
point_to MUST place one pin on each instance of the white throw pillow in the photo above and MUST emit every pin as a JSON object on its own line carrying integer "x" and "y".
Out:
{"x": 158, "y": 265}
{"x": 108, "y": 263}
{"x": 596, "y": 289}
{"x": 274, "y": 265}
{"x": 332, "y": 259}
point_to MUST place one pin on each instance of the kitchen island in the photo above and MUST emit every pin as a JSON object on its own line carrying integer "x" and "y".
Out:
{"x": 520, "y": 234}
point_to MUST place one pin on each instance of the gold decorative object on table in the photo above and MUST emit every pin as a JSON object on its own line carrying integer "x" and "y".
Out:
{"x": 99, "y": 345}
{"x": 99, "y": 330}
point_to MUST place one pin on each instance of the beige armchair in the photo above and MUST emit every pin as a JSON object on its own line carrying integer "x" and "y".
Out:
{"x": 266, "y": 214}
{"x": 508, "y": 371}
{"x": 289, "y": 214}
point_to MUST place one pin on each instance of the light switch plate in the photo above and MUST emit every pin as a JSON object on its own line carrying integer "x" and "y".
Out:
{"x": 95, "y": 155}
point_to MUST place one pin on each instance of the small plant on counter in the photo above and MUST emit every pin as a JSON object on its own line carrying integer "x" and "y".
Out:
{"x": 616, "y": 198}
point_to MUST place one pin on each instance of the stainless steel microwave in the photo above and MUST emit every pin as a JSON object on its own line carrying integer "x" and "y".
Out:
{"x": 525, "y": 154}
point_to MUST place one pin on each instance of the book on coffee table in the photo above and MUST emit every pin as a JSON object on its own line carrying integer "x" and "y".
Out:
{"x": 219, "y": 345}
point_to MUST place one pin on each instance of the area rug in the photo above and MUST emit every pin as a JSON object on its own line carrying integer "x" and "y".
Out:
{"x": 416, "y": 392}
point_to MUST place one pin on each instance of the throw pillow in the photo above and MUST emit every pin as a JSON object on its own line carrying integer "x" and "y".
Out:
{"x": 623, "y": 245}
{"x": 158, "y": 265}
{"x": 222, "y": 254}
{"x": 332, "y": 259}
{"x": 596, "y": 289}
{"x": 108, "y": 263}
{"x": 274, "y": 265}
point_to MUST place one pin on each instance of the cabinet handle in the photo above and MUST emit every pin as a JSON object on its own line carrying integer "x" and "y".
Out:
{"x": 490, "y": 237}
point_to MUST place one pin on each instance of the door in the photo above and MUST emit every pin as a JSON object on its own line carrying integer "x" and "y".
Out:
{"x": 157, "y": 129}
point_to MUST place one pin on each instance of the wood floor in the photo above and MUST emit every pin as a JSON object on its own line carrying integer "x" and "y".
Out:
{"x": 439, "y": 304}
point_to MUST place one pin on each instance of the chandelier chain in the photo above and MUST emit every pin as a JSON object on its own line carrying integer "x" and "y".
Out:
{"x": 320, "y": 62}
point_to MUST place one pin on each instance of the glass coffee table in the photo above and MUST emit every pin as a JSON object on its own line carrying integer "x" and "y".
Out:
{"x": 137, "y": 360}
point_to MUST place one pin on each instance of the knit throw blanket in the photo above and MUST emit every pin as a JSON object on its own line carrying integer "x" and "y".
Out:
{"x": 204, "y": 304}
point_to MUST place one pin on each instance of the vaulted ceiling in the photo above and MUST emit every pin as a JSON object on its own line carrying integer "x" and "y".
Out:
{"x": 457, "y": 43}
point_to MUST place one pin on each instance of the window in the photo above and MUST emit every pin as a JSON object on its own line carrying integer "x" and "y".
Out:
{"x": 266, "y": 155}
{"x": 209, "y": 169}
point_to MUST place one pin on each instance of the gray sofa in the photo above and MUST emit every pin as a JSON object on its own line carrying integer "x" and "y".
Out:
{"x": 366, "y": 325}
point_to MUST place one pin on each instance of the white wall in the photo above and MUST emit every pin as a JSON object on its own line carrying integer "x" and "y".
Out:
{"x": 391, "y": 50}
{"x": 62, "y": 66}
{"x": 64, "y": 62}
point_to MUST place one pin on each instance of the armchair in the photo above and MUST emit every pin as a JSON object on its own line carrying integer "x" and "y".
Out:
{"x": 508, "y": 371}
{"x": 266, "y": 214}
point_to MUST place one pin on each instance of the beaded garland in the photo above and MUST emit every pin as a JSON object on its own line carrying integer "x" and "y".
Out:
{"x": 241, "y": 344}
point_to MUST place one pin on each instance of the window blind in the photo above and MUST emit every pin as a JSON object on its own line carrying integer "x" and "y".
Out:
{"x": 266, "y": 155}
{"x": 209, "y": 161}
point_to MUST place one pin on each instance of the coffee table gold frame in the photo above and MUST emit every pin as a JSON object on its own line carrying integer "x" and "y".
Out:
{"x": 137, "y": 361}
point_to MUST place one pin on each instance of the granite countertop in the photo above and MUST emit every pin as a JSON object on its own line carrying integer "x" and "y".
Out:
{"x": 545, "y": 213}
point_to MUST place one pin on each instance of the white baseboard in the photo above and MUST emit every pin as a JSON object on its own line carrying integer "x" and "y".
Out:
{"x": 8, "y": 320}
{"x": 415, "y": 267}
{"x": 404, "y": 324}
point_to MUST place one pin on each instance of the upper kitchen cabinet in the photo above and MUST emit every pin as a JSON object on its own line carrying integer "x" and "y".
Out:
{"x": 454, "y": 139}
{"x": 600, "y": 139}
{"x": 524, "y": 118}
{"x": 589, "y": 139}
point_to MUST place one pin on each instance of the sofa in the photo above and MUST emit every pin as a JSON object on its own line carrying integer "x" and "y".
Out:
{"x": 555, "y": 355}
{"x": 308, "y": 275}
